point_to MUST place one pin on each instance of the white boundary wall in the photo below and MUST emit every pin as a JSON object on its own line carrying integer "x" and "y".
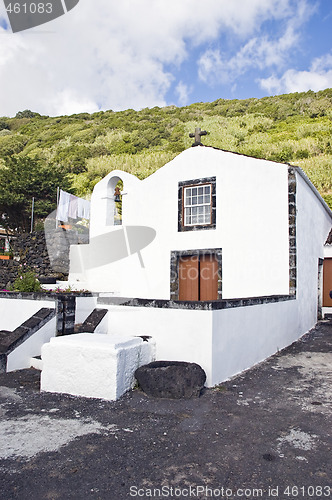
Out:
{"x": 20, "y": 358}
{"x": 13, "y": 312}
{"x": 179, "y": 334}
{"x": 84, "y": 306}
{"x": 223, "y": 342}
{"x": 245, "y": 336}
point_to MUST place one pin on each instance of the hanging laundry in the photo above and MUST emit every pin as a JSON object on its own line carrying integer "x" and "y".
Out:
{"x": 83, "y": 208}
{"x": 71, "y": 206}
{"x": 63, "y": 206}
{"x": 86, "y": 210}
{"x": 72, "y": 212}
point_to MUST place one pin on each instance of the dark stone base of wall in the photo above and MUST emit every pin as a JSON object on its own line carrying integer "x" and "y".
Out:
{"x": 92, "y": 321}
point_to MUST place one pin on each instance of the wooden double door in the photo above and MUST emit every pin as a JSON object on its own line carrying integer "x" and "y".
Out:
{"x": 198, "y": 277}
{"x": 327, "y": 282}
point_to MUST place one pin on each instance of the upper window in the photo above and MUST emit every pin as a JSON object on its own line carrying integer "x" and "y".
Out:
{"x": 197, "y": 204}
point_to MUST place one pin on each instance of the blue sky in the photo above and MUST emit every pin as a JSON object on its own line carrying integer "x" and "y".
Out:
{"x": 106, "y": 54}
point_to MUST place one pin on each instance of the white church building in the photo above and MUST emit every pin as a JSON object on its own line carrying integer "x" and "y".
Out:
{"x": 219, "y": 258}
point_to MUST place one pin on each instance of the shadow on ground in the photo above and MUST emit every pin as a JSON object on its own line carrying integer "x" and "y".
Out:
{"x": 264, "y": 431}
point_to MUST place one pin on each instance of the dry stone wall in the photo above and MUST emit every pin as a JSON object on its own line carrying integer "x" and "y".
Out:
{"x": 31, "y": 249}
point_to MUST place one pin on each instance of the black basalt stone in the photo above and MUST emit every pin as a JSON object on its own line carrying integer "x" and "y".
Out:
{"x": 171, "y": 379}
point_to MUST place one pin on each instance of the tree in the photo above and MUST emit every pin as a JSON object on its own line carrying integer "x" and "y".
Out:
{"x": 27, "y": 113}
{"x": 4, "y": 125}
{"x": 21, "y": 179}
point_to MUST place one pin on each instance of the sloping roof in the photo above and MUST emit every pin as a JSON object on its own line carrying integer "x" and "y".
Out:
{"x": 329, "y": 239}
{"x": 313, "y": 189}
{"x": 298, "y": 169}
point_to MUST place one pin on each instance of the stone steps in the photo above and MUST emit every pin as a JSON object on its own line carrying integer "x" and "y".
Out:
{"x": 92, "y": 321}
{"x": 11, "y": 340}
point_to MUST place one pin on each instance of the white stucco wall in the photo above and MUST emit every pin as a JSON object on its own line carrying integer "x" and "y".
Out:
{"x": 244, "y": 336}
{"x": 313, "y": 224}
{"x": 228, "y": 341}
{"x": 179, "y": 335}
{"x": 84, "y": 307}
{"x": 251, "y": 228}
{"x": 223, "y": 342}
{"x": 13, "y": 312}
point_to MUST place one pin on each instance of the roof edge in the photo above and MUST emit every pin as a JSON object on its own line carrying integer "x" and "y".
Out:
{"x": 298, "y": 169}
{"x": 313, "y": 189}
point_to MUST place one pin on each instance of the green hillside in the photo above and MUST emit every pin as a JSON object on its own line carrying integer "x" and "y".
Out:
{"x": 81, "y": 149}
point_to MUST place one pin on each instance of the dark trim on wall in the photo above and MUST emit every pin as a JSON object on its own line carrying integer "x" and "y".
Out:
{"x": 51, "y": 296}
{"x": 92, "y": 321}
{"x": 213, "y": 305}
{"x": 10, "y": 340}
{"x": 292, "y": 230}
{"x": 196, "y": 182}
{"x": 320, "y": 289}
{"x": 65, "y": 307}
{"x": 65, "y": 315}
{"x": 176, "y": 257}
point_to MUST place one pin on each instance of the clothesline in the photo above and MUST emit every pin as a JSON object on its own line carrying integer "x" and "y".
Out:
{"x": 71, "y": 206}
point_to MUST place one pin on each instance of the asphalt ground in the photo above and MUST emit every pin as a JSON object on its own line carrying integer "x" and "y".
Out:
{"x": 266, "y": 433}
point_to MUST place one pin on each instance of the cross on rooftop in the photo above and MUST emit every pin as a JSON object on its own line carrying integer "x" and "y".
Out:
{"x": 198, "y": 134}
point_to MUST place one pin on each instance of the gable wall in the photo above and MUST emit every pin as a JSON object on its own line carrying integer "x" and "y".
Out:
{"x": 312, "y": 228}
{"x": 251, "y": 227}
{"x": 245, "y": 336}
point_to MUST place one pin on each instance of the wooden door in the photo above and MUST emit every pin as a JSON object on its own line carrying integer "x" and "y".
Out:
{"x": 198, "y": 278}
{"x": 189, "y": 278}
{"x": 208, "y": 277}
{"x": 327, "y": 282}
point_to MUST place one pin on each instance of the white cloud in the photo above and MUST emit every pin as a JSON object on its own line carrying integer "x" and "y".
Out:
{"x": 318, "y": 77}
{"x": 215, "y": 67}
{"x": 183, "y": 91}
{"x": 259, "y": 52}
{"x": 116, "y": 55}
{"x": 297, "y": 81}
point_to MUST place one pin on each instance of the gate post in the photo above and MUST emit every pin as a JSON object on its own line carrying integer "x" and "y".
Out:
{"x": 65, "y": 314}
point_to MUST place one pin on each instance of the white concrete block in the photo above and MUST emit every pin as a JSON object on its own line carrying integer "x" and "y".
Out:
{"x": 36, "y": 363}
{"x": 94, "y": 366}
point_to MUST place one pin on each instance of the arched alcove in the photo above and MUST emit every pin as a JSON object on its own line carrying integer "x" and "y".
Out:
{"x": 114, "y": 201}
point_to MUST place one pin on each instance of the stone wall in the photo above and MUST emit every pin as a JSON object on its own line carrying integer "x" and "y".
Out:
{"x": 31, "y": 249}
{"x": 8, "y": 273}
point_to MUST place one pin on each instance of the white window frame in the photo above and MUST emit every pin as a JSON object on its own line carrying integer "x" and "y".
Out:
{"x": 192, "y": 203}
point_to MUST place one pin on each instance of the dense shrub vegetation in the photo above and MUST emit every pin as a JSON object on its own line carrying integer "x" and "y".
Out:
{"x": 76, "y": 151}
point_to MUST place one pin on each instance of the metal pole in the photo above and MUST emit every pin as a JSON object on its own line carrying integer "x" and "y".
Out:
{"x": 57, "y": 204}
{"x": 32, "y": 209}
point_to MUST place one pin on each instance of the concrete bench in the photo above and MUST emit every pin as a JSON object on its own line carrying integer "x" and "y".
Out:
{"x": 92, "y": 365}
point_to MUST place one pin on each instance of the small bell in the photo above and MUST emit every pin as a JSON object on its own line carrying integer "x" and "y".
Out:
{"x": 117, "y": 194}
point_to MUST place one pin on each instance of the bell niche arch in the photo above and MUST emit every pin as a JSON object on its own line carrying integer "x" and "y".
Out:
{"x": 105, "y": 210}
{"x": 114, "y": 201}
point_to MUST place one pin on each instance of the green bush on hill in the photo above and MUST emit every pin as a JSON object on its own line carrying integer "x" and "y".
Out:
{"x": 83, "y": 148}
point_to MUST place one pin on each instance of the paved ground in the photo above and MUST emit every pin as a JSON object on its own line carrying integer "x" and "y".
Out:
{"x": 264, "y": 434}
